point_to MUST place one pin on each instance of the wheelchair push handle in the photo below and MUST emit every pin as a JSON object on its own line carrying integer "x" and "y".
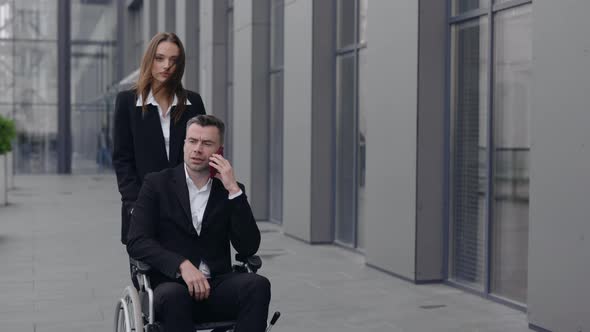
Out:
{"x": 139, "y": 266}
{"x": 273, "y": 320}
{"x": 252, "y": 262}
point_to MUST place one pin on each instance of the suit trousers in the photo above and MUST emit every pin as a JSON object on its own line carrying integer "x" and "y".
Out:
{"x": 243, "y": 297}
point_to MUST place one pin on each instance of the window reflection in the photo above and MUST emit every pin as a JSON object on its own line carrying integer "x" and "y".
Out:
{"x": 470, "y": 148}
{"x": 512, "y": 104}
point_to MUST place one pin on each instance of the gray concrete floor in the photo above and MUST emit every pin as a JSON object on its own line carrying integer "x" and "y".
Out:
{"x": 62, "y": 269}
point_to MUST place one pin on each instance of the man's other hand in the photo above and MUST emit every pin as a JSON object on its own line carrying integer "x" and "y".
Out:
{"x": 198, "y": 286}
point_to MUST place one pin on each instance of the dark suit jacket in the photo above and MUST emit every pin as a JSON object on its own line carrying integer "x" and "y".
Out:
{"x": 162, "y": 233}
{"x": 139, "y": 146}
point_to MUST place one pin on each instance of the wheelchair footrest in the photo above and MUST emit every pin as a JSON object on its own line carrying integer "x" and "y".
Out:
{"x": 215, "y": 325}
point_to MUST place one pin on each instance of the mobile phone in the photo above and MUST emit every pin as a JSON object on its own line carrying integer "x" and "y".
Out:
{"x": 213, "y": 170}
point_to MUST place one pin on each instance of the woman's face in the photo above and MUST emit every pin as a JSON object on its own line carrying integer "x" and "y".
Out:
{"x": 164, "y": 63}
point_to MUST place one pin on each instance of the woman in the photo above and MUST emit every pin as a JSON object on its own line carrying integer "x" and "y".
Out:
{"x": 150, "y": 120}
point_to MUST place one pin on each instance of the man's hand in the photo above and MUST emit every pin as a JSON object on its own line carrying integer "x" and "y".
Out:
{"x": 198, "y": 286}
{"x": 225, "y": 173}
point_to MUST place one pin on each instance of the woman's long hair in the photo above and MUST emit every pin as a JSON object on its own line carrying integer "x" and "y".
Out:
{"x": 173, "y": 85}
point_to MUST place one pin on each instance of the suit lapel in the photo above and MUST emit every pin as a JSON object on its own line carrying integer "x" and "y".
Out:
{"x": 180, "y": 189}
{"x": 215, "y": 200}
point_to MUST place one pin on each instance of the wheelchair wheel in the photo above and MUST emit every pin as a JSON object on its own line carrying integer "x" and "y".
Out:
{"x": 128, "y": 316}
{"x": 120, "y": 318}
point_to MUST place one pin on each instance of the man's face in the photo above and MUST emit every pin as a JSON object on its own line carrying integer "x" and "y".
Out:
{"x": 164, "y": 63}
{"x": 199, "y": 145}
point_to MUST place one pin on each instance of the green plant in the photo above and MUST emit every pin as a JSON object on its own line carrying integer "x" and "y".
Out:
{"x": 7, "y": 134}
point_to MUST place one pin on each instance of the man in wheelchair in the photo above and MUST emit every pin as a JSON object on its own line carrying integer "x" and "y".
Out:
{"x": 182, "y": 225}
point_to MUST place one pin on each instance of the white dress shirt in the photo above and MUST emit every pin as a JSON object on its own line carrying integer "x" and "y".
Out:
{"x": 198, "y": 198}
{"x": 164, "y": 118}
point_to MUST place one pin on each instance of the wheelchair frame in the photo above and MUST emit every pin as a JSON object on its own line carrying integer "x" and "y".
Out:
{"x": 134, "y": 311}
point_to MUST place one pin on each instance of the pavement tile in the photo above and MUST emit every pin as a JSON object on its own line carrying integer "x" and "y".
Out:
{"x": 63, "y": 268}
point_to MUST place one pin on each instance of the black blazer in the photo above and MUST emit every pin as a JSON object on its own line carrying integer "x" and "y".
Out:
{"x": 139, "y": 146}
{"x": 162, "y": 233}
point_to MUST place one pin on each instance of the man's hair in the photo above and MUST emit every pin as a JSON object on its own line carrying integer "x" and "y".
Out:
{"x": 206, "y": 120}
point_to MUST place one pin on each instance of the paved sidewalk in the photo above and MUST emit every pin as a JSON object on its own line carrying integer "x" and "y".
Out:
{"x": 62, "y": 269}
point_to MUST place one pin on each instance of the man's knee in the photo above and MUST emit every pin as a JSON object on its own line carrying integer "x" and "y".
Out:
{"x": 171, "y": 294}
{"x": 173, "y": 307}
{"x": 258, "y": 286}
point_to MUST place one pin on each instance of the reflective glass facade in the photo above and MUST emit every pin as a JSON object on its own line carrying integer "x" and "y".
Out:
{"x": 29, "y": 73}
{"x": 490, "y": 101}
{"x": 277, "y": 26}
{"x": 350, "y": 140}
{"x": 28, "y": 69}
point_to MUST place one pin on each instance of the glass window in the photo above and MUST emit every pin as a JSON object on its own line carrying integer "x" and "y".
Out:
{"x": 7, "y": 72}
{"x": 277, "y": 19}
{"x": 363, "y": 11}
{"x": 277, "y": 22}
{"x": 470, "y": 149}
{"x": 93, "y": 67}
{"x": 351, "y": 22}
{"x": 346, "y": 143}
{"x": 362, "y": 149}
{"x": 462, "y": 6}
{"x": 230, "y": 46}
{"x": 346, "y": 20}
{"x": 512, "y": 106}
{"x": 34, "y": 78}
{"x": 229, "y": 78}
{"x": 276, "y": 147}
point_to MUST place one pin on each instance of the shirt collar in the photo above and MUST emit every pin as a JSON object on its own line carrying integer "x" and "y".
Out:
{"x": 189, "y": 181}
{"x": 151, "y": 100}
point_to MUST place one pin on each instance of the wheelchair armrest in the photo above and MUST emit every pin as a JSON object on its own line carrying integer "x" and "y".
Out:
{"x": 253, "y": 262}
{"x": 139, "y": 266}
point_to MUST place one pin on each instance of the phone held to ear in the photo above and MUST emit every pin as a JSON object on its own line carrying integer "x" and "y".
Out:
{"x": 213, "y": 170}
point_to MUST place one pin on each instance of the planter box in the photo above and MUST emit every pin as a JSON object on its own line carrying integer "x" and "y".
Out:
{"x": 3, "y": 184}
{"x": 9, "y": 171}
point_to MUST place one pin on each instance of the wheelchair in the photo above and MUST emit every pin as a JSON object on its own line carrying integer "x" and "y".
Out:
{"x": 134, "y": 311}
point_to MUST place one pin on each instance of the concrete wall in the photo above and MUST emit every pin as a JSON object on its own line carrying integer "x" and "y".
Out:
{"x": 297, "y": 142}
{"x": 559, "y": 239}
{"x": 391, "y": 109}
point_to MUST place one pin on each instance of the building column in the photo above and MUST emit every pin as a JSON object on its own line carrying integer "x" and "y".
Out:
{"x": 251, "y": 100}
{"x": 167, "y": 16}
{"x": 149, "y": 21}
{"x": 64, "y": 133}
{"x": 213, "y": 57}
{"x": 187, "y": 29}
{"x": 308, "y": 121}
{"x": 559, "y": 233}
{"x": 297, "y": 142}
{"x": 391, "y": 113}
